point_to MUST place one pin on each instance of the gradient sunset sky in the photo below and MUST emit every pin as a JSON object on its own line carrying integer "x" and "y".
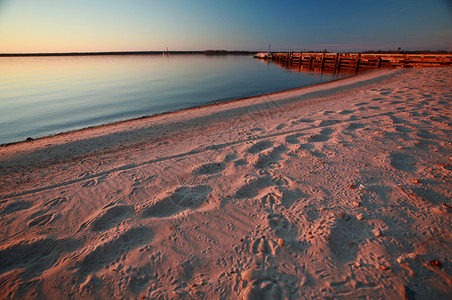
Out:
{"x": 127, "y": 25}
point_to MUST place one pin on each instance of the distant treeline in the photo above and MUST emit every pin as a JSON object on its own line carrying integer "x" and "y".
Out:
{"x": 407, "y": 52}
{"x": 217, "y": 52}
{"x": 206, "y": 52}
{"x": 226, "y": 52}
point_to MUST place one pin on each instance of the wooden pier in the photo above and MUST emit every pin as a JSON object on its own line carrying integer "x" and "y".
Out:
{"x": 355, "y": 62}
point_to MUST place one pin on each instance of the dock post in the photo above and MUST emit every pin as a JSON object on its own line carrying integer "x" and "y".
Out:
{"x": 299, "y": 62}
{"x": 339, "y": 65}
{"x": 378, "y": 64}
{"x": 336, "y": 62}
{"x": 357, "y": 63}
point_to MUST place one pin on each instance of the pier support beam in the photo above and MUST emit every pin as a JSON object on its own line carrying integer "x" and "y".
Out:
{"x": 378, "y": 64}
{"x": 357, "y": 64}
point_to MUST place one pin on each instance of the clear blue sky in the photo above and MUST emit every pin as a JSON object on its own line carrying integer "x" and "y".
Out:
{"x": 126, "y": 25}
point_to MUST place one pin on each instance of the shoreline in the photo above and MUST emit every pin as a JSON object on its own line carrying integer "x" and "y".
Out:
{"x": 164, "y": 52}
{"x": 208, "y": 105}
{"x": 151, "y": 105}
{"x": 336, "y": 190}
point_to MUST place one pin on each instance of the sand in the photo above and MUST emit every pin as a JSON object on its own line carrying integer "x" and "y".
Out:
{"x": 340, "y": 190}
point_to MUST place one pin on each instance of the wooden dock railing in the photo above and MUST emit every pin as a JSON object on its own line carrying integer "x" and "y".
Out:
{"x": 354, "y": 62}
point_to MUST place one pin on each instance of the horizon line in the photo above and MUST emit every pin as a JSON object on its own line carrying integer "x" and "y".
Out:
{"x": 209, "y": 51}
{"x": 139, "y": 52}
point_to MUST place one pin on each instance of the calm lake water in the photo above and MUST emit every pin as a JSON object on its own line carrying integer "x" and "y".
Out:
{"x": 40, "y": 96}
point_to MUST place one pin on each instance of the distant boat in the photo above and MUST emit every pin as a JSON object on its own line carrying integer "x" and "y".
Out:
{"x": 263, "y": 55}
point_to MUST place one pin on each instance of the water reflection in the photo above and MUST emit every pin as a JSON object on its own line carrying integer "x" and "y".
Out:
{"x": 329, "y": 63}
{"x": 315, "y": 69}
{"x": 46, "y": 95}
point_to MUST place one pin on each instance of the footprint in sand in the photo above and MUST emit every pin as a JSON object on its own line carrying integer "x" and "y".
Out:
{"x": 271, "y": 159}
{"x": 425, "y": 134}
{"x": 260, "y": 284}
{"x": 114, "y": 249}
{"x": 185, "y": 197}
{"x": 210, "y": 169}
{"x": 240, "y": 162}
{"x": 55, "y": 202}
{"x": 41, "y": 220}
{"x": 88, "y": 183}
{"x": 403, "y": 162}
{"x": 261, "y": 246}
{"x": 270, "y": 199}
{"x": 395, "y": 102}
{"x": 324, "y": 135}
{"x": 328, "y": 112}
{"x": 280, "y": 126}
{"x": 84, "y": 174}
{"x": 260, "y": 146}
{"x": 252, "y": 189}
{"x": 318, "y": 154}
{"x": 397, "y": 120}
{"x": 329, "y": 123}
{"x": 15, "y": 207}
{"x": 403, "y": 129}
{"x": 306, "y": 147}
{"x": 355, "y": 126}
{"x": 280, "y": 225}
{"x": 430, "y": 195}
{"x": 111, "y": 216}
{"x": 34, "y": 256}
{"x": 346, "y": 112}
{"x": 293, "y": 138}
{"x": 230, "y": 157}
{"x": 303, "y": 120}
{"x": 281, "y": 180}
{"x": 345, "y": 237}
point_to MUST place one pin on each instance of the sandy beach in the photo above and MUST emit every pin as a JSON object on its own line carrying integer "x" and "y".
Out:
{"x": 339, "y": 190}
